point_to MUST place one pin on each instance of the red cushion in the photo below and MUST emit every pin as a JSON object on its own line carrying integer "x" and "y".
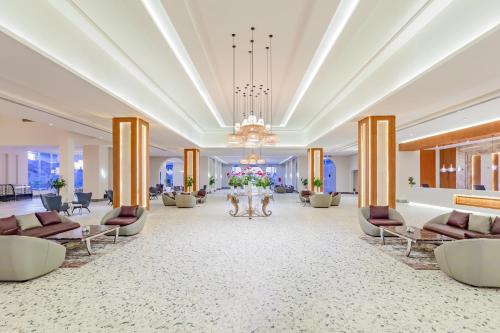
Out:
{"x": 128, "y": 211}
{"x": 385, "y": 222}
{"x": 495, "y": 227}
{"x": 458, "y": 219}
{"x": 8, "y": 226}
{"x": 305, "y": 193}
{"x": 48, "y": 218}
{"x": 379, "y": 212}
{"x": 121, "y": 220}
{"x": 472, "y": 235}
{"x": 50, "y": 229}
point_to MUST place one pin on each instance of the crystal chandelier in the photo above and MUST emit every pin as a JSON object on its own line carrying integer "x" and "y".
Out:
{"x": 253, "y": 131}
{"x": 253, "y": 159}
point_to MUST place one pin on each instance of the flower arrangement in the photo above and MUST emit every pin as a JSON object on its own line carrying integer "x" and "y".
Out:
{"x": 235, "y": 181}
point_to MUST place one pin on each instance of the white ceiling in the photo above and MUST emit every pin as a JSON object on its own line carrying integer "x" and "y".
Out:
{"x": 170, "y": 62}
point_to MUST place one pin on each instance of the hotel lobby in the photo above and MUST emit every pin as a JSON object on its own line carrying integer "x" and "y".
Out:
{"x": 266, "y": 166}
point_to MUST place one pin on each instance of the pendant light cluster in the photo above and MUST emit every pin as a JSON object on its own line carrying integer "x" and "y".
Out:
{"x": 252, "y": 107}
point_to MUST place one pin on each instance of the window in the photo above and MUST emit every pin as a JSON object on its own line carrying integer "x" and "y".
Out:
{"x": 78, "y": 171}
{"x": 169, "y": 174}
{"x": 44, "y": 167}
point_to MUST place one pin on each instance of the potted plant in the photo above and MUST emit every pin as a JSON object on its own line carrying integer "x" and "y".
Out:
{"x": 211, "y": 182}
{"x": 304, "y": 182}
{"x": 58, "y": 184}
{"x": 189, "y": 183}
{"x": 411, "y": 181}
{"x": 266, "y": 183}
{"x": 317, "y": 183}
{"x": 259, "y": 183}
{"x": 234, "y": 182}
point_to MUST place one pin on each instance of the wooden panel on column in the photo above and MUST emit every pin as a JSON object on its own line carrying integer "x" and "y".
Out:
{"x": 192, "y": 167}
{"x": 448, "y": 158}
{"x": 315, "y": 166}
{"x": 428, "y": 167}
{"x": 130, "y": 162}
{"x": 476, "y": 170}
{"x": 377, "y": 161}
{"x": 494, "y": 172}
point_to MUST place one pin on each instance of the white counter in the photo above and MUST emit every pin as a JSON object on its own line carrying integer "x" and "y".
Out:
{"x": 443, "y": 197}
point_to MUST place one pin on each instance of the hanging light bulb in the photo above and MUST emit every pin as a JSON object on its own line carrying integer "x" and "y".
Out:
{"x": 443, "y": 169}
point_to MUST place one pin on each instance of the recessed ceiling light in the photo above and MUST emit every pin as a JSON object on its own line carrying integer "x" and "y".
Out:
{"x": 50, "y": 124}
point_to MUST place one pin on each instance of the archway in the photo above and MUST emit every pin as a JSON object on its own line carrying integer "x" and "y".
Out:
{"x": 329, "y": 176}
{"x": 171, "y": 172}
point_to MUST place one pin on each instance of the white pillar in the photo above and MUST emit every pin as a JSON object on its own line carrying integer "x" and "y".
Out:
{"x": 95, "y": 170}
{"x": 67, "y": 167}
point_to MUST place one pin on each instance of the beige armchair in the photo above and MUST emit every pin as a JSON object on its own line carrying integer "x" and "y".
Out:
{"x": 321, "y": 200}
{"x": 167, "y": 200}
{"x": 185, "y": 201}
{"x": 371, "y": 229}
{"x": 130, "y": 229}
{"x": 336, "y": 199}
{"x": 471, "y": 261}
{"x": 24, "y": 258}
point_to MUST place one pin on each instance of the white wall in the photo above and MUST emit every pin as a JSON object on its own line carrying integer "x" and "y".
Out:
{"x": 13, "y": 166}
{"x": 407, "y": 164}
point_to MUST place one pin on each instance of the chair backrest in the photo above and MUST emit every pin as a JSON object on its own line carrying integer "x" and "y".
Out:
{"x": 53, "y": 202}
{"x": 109, "y": 194}
{"x": 479, "y": 188}
{"x": 152, "y": 189}
{"x": 84, "y": 198}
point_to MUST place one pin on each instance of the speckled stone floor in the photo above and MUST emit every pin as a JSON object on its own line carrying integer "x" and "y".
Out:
{"x": 200, "y": 270}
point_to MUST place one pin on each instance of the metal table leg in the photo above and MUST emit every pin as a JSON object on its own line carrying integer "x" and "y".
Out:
{"x": 408, "y": 247}
{"x": 87, "y": 245}
{"x": 382, "y": 238}
{"x": 117, "y": 231}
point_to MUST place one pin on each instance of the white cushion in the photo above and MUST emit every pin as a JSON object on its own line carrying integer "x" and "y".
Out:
{"x": 28, "y": 221}
{"x": 479, "y": 223}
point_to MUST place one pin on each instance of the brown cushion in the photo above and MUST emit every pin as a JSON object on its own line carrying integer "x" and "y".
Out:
{"x": 128, "y": 211}
{"x": 495, "y": 227}
{"x": 385, "y": 222}
{"x": 201, "y": 193}
{"x": 458, "y": 219}
{"x": 305, "y": 193}
{"x": 48, "y": 218}
{"x": 50, "y": 229}
{"x": 472, "y": 235}
{"x": 8, "y": 226}
{"x": 121, "y": 220}
{"x": 379, "y": 212}
{"x": 448, "y": 230}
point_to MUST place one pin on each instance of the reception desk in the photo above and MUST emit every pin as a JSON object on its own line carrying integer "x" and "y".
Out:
{"x": 470, "y": 200}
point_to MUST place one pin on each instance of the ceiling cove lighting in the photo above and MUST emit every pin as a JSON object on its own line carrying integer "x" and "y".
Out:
{"x": 165, "y": 26}
{"x": 335, "y": 27}
{"x": 451, "y": 130}
{"x": 445, "y": 54}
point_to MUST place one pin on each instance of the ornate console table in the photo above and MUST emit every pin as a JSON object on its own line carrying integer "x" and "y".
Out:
{"x": 257, "y": 205}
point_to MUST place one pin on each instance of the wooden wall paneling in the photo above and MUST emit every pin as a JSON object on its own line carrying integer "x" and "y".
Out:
{"x": 476, "y": 201}
{"x": 428, "y": 167}
{"x": 476, "y": 170}
{"x": 448, "y": 157}
{"x": 494, "y": 173}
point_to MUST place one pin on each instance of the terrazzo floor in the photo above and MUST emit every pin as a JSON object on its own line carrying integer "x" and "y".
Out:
{"x": 200, "y": 270}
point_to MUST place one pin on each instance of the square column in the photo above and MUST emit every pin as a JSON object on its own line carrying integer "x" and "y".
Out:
{"x": 130, "y": 162}
{"x": 314, "y": 166}
{"x": 377, "y": 161}
{"x": 192, "y": 168}
{"x": 67, "y": 167}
